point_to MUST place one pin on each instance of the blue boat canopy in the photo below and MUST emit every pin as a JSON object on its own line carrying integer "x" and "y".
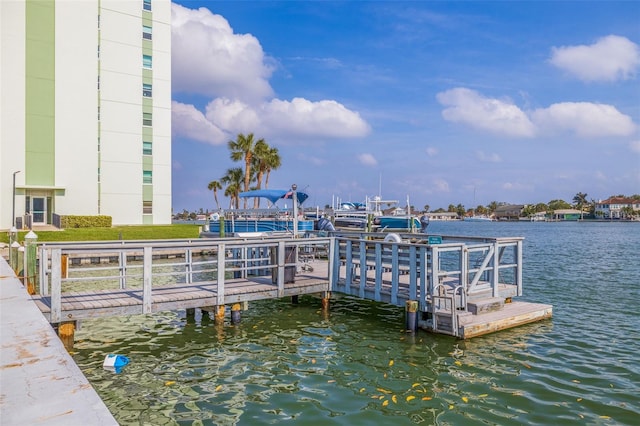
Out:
{"x": 274, "y": 195}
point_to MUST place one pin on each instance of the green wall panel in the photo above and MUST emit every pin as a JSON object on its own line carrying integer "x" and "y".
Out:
{"x": 147, "y": 193}
{"x": 40, "y": 93}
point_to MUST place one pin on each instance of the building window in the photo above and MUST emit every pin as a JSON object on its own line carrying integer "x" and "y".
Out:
{"x": 147, "y": 176}
{"x": 147, "y": 148}
{"x": 147, "y": 119}
{"x": 147, "y": 90}
{"x": 146, "y": 4}
{"x": 147, "y": 207}
{"x": 146, "y": 32}
{"x": 147, "y": 61}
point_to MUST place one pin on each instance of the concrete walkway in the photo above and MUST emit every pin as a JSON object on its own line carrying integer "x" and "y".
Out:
{"x": 40, "y": 384}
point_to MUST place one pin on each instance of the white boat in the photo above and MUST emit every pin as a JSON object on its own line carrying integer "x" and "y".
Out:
{"x": 478, "y": 218}
{"x": 369, "y": 216}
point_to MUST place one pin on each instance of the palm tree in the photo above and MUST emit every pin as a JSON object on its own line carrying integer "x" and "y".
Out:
{"x": 214, "y": 186}
{"x": 243, "y": 148}
{"x": 233, "y": 182}
{"x": 580, "y": 200}
{"x": 273, "y": 162}
{"x": 260, "y": 155}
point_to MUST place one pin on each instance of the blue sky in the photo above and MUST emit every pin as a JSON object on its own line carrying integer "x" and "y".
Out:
{"x": 444, "y": 102}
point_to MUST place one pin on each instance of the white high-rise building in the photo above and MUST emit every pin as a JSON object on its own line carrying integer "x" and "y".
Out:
{"x": 85, "y": 110}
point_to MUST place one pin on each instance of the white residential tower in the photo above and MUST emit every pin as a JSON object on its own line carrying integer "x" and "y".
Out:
{"x": 85, "y": 110}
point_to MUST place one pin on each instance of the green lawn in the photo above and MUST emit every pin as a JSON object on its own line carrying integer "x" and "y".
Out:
{"x": 142, "y": 232}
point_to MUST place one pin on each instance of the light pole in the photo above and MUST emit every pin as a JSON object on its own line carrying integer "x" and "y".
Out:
{"x": 294, "y": 189}
{"x": 13, "y": 207}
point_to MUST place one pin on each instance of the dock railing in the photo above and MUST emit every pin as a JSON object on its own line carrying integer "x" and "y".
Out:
{"x": 73, "y": 268}
{"x": 413, "y": 269}
{"x": 407, "y": 267}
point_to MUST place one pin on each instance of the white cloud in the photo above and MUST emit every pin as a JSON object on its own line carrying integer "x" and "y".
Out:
{"x": 431, "y": 151}
{"x": 440, "y": 185}
{"x": 187, "y": 121}
{"x": 316, "y": 161}
{"x": 516, "y": 186}
{"x": 634, "y": 146}
{"x": 610, "y": 58}
{"x": 298, "y": 117}
{"x": 488, "y": 158}
{"x": 367, "y": 160}
{"x": 208, "y": 58}
{"x": 585, "y": 119}
{"x": 497, "y": 116}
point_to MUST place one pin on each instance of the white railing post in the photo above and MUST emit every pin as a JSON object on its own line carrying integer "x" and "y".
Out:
{"x": 464, "y": 268}
{"x": 222, "y": 254}
{"x": 44, "y": 264}
{"x": 281, "y": 261}
{"x": 147, "y": 279}
{"x": 56, "y": 286}
{"x": 495, "y": 273}
{"x": 332, "y": 262}
{"x": 123, "y": 269}
{"x": 435, "y": 270}
{"x": 519, "y": 267}
{"x": 188, "y": 260}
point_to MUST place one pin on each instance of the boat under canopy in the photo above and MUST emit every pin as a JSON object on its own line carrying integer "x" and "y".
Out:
{"x": 274, "y": 195}
{"x": 269, "y": 220}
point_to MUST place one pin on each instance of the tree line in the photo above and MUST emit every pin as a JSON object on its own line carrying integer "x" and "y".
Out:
{"x": 580, "y": 202}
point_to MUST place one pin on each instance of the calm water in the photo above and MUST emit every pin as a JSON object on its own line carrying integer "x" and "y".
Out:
{"x": 355, "y": 366}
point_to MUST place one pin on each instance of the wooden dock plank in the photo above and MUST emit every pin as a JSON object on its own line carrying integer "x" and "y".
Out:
{"x": 512, "y": 315}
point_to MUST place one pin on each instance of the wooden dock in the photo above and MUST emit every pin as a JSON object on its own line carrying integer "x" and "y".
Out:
{"x": 463, "y": 287}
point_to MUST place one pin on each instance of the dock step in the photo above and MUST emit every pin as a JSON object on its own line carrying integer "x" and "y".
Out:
{"x": 484, "y": 306}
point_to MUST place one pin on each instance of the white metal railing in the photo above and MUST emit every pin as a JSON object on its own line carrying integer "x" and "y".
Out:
{"x": 148, "y": 265}
{"x": 364, "y": 265}
{"x": 395, "y": 272}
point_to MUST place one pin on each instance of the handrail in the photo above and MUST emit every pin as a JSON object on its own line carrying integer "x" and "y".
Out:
{"x": 363, "y": 266}
{"x": 224, "y": 257}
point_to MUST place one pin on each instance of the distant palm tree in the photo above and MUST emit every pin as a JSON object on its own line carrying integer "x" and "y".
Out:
{"x": 214, "y": 186}
{"x": 580, "y": 200}
{"x": 260, "y": 155}
{"x": 273, "y": 162}
{"x": 233, "y": 181}
{"x": 243, "y": 148}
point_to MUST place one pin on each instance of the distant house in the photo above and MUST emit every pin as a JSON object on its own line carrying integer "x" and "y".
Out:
{"x": 443, "y": 216}
{"x": 566, "y": 214}
{"x": 613, "y": 208}
{"x": 508, "y": 212}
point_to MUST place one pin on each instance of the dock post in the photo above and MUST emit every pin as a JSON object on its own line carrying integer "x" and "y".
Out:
{"x": 30, "y": 261}
{"x": 219, "y": 316}
{"x": 191, "y": 312}
{"x": 411, "y": 310}
{"x": 235, "y": 313}
{"x": 66, "y": 331}
{"x": 325, "y": 300}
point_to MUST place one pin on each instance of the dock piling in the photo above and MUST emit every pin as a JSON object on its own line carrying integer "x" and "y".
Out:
{"x": 235, "y": 313}
{"x": 66, "y": 332}
{"x": 411, "y": 315}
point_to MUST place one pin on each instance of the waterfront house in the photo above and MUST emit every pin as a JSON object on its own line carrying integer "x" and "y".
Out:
{"x": 617, "y": 207}
{"x": 508, "y": 212}
{"x": 443, "y": 216}
{"x": 566, "y": 214}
